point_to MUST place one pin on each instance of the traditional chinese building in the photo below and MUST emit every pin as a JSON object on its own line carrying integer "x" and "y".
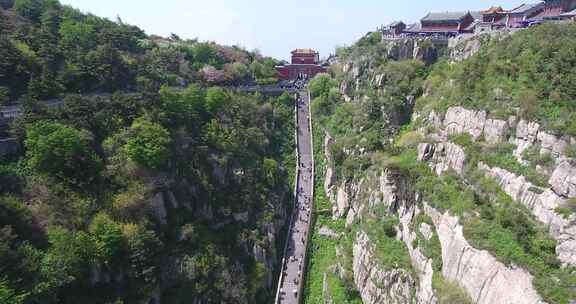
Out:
{"x": 305, "y": 56}
{"x": 304, "y": 63}
{"x": 445, "y": 24}
{"x": 494, "y": 14}
{"x": 393, "y": 29}
{"x": 557, "y": 9}
{"x": 491, "y": 19}
{"x": 524, "y": 14}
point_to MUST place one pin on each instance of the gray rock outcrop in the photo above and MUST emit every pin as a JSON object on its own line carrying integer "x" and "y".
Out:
{"x": 563, "y": 180}
{"x": 421, "y": 263}
{"x": 459, "y": 120}
{"x": 342, "y": 202}
{"x": 375, "y": 284}
{"x": 443, "y": 156}
{"x": 495, "y": 131}
{"x": 485, "y": 279}
{"x": 542, "y": 203}
{"x": 526, "y": 134}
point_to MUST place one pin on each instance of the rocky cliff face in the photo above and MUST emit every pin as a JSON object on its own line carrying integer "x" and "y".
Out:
{"x": 485, "y": 279}
{"x": 443, "y": 156}
{"x": 375, "y": 284}
{"x": 479, "y": 273}
{"x": 542, "y": 202}
{"x": 385, "y": 188}
{"x": 466, "y": 46}
{"x": 422, "y": 264}
{"x": 426, "y": 49}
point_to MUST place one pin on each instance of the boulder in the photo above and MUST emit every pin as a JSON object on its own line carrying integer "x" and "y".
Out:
{"x": 495, "y": 131}
{"x": 241, "y": 217}
{"x": 426, "y": 151}
{"x": 551, "y": 144}
{"x": 526, "y": 135}
{"x": 327, "y": 232}
{"x": 426, "y": 231}
{"x": 443, "y": 156}
{"x": 459, "y": 120}
{"x": 342, "y": 203}
{"x": 563, "y": 180}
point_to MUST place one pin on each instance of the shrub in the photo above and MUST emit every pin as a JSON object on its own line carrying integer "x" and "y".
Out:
{"x": 450, "y": 292}
{"x": 148, "y": 144}
{"x": 107, "y": 236}
{"x": 536, "y": 158}
{"x": 62, "y": 152}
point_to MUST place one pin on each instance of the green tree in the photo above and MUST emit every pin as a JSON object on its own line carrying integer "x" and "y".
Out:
{"x": 209, "y": 276}
{"x": 182, "y": 107}
{"x": 76, "y": 36}
{"x": 216, "y": 99}
{"x": 31, "y": 9}
{"x": 107, "y": 236}
{"x": 286, "y": 99}
{"x": 270, "y": 168}
{"x": 68, "y": 258}
{"x": 148, "y": 144}
{"x": 237, "y": 71}
{"x": 144, "y": 250}
{"x": 62, "y": 152}
{"x": 321, "y": 85}
{"x": 264, "y": 70}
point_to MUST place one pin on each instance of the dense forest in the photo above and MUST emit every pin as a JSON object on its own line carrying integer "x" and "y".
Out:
{"x": 151, "y": 179}
{"x": 48, "y": 49}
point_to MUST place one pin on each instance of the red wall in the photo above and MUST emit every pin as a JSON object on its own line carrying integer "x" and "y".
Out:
{"x": 292, "y": 71}
{"x": 437, "y": 26}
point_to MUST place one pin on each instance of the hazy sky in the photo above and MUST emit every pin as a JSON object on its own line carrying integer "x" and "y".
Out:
{"x": 274, "y": 27}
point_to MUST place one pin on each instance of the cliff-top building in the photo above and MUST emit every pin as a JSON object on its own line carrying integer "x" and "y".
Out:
{"x": 557, "y": 9}
{"x": 304, "y": 63}
{"x": 524, "y": 14}
{"x": 444, "y": 24}
{"x": 451, "y": 24}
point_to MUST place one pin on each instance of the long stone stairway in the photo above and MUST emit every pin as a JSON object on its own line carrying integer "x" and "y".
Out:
{"x": 291, "y": 281}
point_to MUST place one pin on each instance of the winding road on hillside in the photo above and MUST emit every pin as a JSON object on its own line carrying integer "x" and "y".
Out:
{"x": 291, "y": 285}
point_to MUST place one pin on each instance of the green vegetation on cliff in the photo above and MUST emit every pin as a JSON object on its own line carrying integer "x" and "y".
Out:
{"x": 530, "y": 73}
{"x": 366, "y": 103}
{"x": 148, "y": 181}
{"x": 47, "y": 49}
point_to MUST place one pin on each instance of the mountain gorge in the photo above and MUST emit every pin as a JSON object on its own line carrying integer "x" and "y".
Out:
{"x": 133, "y": 169}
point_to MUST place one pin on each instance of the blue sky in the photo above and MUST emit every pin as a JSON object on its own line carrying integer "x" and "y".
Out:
{"x": 274, "y": 27}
